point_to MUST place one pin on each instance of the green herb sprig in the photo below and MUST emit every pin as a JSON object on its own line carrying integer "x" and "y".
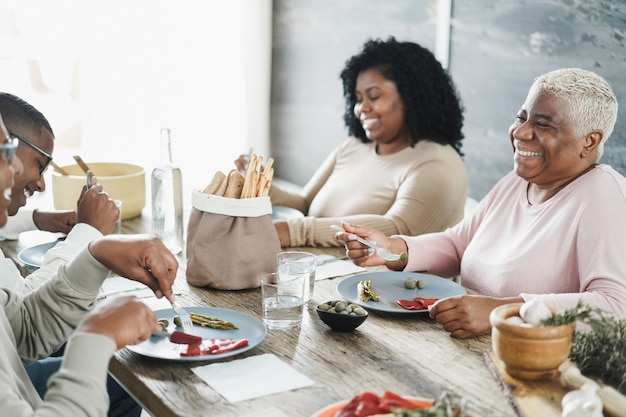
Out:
{"x": 580, "y": 312}
{"x": 599, "y": 351}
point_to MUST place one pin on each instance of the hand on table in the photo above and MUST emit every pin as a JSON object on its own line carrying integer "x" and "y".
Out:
{"x": 96, "y": 209}
{"x": 142, "y": 258}
{"x": 125, "y": 319}
{"x": 363, "y": 255}
{"x": 467, "y": 315}
{"x": 54, "y": 221}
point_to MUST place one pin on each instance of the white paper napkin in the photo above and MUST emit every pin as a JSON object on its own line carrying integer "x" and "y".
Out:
{"x": 115, "y": 285}
{"x": 337, "y": 268}
{"x": 252, "y": 377}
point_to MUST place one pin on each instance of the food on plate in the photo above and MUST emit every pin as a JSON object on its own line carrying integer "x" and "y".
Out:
{"x": 256, "y": 183}
{"x": 412, "y": 283}
{"x": 417, "y": 303}
{"x": 343, "y": 307}
{"x": 391, "y": 404}
{"x": 164, "y": 323}
{"x": 213, "y": 347}
{"x": 366, "y": 292}
{"x": 213, "y": 322}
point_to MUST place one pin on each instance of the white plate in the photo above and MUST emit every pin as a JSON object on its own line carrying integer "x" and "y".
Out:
{"x": 390, "y": 287}
{"x": 33, "y": 256}
{"x": 250, "y": 328}
{"x": 285, "y": 213}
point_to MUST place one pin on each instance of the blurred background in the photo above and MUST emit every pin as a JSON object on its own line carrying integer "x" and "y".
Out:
{"x": 227, "y": 77}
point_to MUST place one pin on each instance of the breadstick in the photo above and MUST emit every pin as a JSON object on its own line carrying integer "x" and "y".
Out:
{"x": 222, "y": 188}
{"x": 215, "y": 183}
{"x": 235, "y": 184}
{"x": 247, "y": 185}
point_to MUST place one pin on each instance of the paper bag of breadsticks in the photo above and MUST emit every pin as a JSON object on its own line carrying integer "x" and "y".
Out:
{"x": 231, "y": 240}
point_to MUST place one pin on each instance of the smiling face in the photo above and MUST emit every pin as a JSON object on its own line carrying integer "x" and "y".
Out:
{"x": 7, "y": 170}
{"x": 30, "y": 180}
{"x": 548, "y": 152}
{"x": 380, "y": 109}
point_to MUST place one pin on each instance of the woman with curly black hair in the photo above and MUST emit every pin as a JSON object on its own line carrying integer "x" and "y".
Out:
{"x": 401, "y": 171}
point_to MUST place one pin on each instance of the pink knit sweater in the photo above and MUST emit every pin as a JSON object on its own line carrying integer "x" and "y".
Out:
{"x": 568, "y": 248}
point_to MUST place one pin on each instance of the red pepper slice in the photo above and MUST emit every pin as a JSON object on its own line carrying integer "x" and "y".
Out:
{"x": 417, "y": 303}
{"x": 184, "y": 338}
{"x": 214, "y": 347}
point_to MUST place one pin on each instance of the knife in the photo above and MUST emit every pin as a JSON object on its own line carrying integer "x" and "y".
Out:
{"x": 181, "y": 338}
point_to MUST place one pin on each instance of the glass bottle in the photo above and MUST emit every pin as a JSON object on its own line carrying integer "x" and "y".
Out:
{"x": 167, "y": 198}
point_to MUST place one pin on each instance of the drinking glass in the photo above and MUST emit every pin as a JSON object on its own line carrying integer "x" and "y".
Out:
{"x": 282, "y": 299}
{"x": 293, "y": 264}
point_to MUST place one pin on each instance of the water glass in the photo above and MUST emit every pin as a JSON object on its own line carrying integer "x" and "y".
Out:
{"x": 282, "y": 299}
{"x": 294, "y": 264}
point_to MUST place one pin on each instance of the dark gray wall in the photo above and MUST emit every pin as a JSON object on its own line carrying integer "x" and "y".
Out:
{"x": 497, "y": 48}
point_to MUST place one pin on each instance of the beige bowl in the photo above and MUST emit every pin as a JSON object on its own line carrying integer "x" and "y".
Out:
{"x": 531, "y": 353}
{"x": 125, "y": 182}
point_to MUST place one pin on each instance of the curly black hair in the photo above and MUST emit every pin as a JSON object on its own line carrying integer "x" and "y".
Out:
{"x": 433, "y": 106}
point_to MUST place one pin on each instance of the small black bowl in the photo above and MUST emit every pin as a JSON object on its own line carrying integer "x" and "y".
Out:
{"x": 347, "y": 319}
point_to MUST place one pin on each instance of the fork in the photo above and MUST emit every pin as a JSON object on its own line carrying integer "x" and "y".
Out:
{"x": 383, "y": 253}
{"x": 185, "y": 319}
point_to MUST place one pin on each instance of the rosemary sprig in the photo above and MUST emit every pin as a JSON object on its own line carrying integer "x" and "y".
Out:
{"x": 600, "y": 350}
{"x": 580, "y": 312}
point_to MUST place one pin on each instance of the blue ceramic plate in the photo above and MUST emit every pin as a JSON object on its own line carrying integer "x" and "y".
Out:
{"x": 390, "y": 287}
{"x": 33, "y": 256}
{"x": 250, "y": 328}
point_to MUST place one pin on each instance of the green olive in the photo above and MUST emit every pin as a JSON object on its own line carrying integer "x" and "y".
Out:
{"x": 324, "y": 307}
{"x": 409, "y": 283}
{"x": 341, "y": 306}
{"x": 360, "y": 311}
{"x": 420, "y": 283}
{"x": 164, "y": 323}
{"x": 177, "y": 321}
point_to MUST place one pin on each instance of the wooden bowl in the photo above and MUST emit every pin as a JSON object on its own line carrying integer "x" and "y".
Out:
{"x": 529, "y": 352}
{"x": 125, "y": 182}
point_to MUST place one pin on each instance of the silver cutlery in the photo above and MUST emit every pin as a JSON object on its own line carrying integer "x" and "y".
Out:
{"x": 383, "y": 253}
{"x": 185, "y": 319}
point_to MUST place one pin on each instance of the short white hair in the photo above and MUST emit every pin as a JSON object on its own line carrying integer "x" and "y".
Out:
{"x": 589, "y": 99}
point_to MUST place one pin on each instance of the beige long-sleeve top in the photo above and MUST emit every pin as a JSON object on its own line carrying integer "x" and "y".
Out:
{"x": 417, "y": 190}
{"x": 34, "y": 325}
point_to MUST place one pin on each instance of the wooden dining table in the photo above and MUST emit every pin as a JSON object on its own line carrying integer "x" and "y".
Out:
{"x": 409, "y": 354}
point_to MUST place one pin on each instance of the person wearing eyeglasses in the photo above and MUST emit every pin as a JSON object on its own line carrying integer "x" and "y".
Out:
{"x": 35, "y": 144}
{"x": 35, "y": 324}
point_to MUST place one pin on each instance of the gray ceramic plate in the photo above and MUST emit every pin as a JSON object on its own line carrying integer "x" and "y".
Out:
{"x": 390, "y": 287}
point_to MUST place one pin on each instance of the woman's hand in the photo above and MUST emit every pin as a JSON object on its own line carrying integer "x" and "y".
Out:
{"x": 142, "y": 258}
{"x": 125, "y": 319}
{"x": 282, "y": 229}
{"x": 365, "y": 256}
{"x": 467, "y": 315}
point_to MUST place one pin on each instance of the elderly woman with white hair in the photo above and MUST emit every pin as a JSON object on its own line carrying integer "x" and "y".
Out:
{"x": 553, "y": 228}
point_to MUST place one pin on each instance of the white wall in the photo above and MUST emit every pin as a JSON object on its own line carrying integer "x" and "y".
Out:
{"x": 114, "y": 72}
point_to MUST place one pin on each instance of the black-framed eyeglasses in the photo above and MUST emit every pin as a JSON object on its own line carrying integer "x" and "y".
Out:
{"x": 43, "y": 168}
{"x": 7, "y": 149}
